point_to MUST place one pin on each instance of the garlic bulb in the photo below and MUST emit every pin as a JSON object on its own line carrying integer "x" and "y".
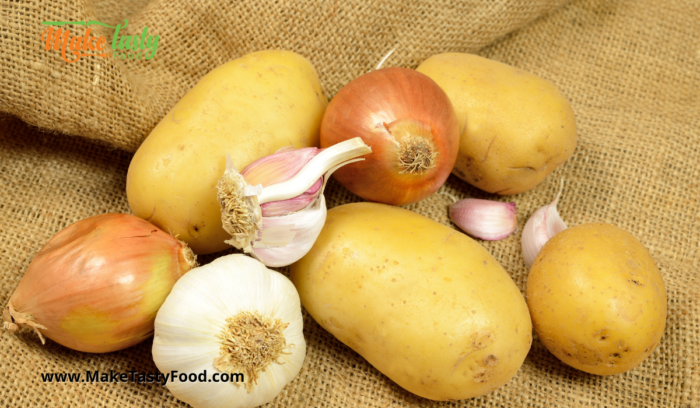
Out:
{"x": 542, "y": 225}
{"x": 229, "y": 318}
{"x": 289, "y": 182}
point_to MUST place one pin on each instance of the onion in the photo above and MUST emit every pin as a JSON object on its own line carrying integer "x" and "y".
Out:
{"x": 409, "y": 123}
{"x": 97, "y": 285}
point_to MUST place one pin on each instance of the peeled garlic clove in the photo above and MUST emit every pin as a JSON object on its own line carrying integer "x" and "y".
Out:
{"x": 542, "y": 225}
{"x": 286, "y": 239}
{"x": 484, "y": 219}
{"x": 232, "y": 318}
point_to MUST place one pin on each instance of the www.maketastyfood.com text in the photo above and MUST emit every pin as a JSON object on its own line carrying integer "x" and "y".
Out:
{"x": 142, "y": 378}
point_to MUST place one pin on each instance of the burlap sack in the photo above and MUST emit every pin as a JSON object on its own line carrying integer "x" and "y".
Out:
{"x": 120, "y": 101}
{"x": 631, "y": 70}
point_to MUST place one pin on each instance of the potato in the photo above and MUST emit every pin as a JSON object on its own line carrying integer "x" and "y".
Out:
{"x": 426, "y": 305}
{"x": 597, "y": 299}
{"x": 247, "y": 108}
{"x": 516, "y": 127}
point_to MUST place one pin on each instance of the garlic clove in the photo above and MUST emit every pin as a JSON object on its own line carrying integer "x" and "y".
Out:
{"x": 279, "y": 166}
{"x": 329, "y": 157}
{"x": 277, "y": 208}
{"x": 484, "y": 219}
{"x": 542, "y": 225}
{"x": 285, "y": 239}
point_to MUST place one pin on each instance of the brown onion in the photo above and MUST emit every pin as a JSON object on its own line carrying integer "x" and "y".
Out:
{"x": 97, "y": 285}
{"x": 409, "y": 123}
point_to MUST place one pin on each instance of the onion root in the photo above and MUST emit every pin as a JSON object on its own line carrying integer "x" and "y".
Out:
{"x": 13, "y": 320}
{"x": 416, "y": 155}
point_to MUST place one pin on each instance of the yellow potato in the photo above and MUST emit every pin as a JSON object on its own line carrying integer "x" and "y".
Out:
{"x": 597, "y": 299}
{"x": 426, "y": 305}
{"x": 247, "y": 108}
{"x": 516, "y": 127}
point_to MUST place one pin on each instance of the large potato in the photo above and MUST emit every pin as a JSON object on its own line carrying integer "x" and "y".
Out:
{"x": 516, "y": 127}
{"x": 426, "y": 305}
{"x": 597, "y": 299}
{"x": 247, "y": 108}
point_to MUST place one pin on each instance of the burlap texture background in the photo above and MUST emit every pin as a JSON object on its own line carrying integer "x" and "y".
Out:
{"x": 631, "y": 70}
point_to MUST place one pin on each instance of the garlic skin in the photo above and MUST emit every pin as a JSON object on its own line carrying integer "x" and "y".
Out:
{"x": 192, "y": 323}
{"x": 542, "y": 225}
{"x": 287, "y": 187}
{"x": 484, "y": 219}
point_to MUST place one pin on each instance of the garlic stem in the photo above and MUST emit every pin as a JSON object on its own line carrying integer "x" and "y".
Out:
{"x": 315, "y": 168}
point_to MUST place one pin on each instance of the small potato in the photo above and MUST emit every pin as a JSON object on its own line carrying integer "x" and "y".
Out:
{"x": 247, "y": 108}
{"x": 516, "y": 127}
{"x": 426, "y": 305}
{"x": 597, "y": 299}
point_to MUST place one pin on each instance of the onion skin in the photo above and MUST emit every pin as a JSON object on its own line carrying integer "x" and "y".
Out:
{"x": 383, "y": 107}
{"x": 97, "y": 285}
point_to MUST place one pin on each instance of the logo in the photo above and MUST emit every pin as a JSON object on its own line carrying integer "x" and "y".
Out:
{"x": 72, "y": 48}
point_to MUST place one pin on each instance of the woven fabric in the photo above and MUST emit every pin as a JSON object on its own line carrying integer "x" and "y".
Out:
{"x": 120, "y": 101}
{"x": 630, "y": 69}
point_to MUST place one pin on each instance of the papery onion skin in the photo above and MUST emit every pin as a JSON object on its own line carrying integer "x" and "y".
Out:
{"x": 402, "y": 101}
{"x": 97, "y": 285}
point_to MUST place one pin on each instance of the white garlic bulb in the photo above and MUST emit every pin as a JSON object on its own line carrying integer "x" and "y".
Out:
{"x": 233, "y": 316}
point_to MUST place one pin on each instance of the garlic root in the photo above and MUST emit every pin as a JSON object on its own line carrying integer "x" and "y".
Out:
{"x": 249, "y": 343}
{"x": 240, "y": 214}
